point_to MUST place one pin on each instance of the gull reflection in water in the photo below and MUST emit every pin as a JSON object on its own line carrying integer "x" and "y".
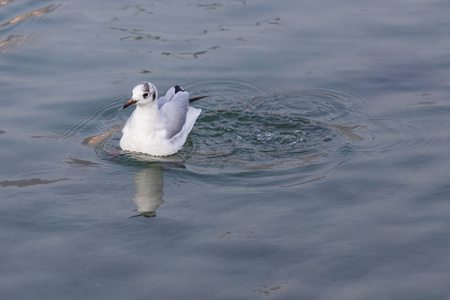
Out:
{"x": 148, "y": 183}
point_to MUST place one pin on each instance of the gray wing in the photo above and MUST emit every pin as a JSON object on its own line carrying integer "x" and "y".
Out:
{"x": 173, "y": 110}
{"x": 169, "y": 95}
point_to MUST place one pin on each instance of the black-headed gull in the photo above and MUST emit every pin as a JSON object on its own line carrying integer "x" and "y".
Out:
{"x": 158, "y": 126}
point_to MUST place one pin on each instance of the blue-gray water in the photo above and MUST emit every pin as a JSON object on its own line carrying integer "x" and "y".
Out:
{"x": 319, "y": 168}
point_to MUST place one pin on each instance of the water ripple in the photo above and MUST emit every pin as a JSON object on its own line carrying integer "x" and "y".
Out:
{"x": 13, "y": 41}
{"x": 37, "y": 12}
{"x": 246, "y": 127}
{"x": 96, "y": 117}
{"x": 389, "y": 134}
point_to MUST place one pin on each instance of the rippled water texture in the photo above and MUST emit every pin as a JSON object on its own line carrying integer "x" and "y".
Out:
{"x": 252, "y": 127}
{"x": 318, "y": 168}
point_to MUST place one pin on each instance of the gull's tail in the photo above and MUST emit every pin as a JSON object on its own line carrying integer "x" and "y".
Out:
{"x": 196, "y": 98}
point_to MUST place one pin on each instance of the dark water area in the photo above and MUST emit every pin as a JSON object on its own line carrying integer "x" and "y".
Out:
{"x": 318, "y": 168}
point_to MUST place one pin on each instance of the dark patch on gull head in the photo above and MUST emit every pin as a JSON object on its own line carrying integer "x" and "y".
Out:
{"x": 146, "y": 86}
{"x": 178, "y": 89}
{"x": 146, "y": 91}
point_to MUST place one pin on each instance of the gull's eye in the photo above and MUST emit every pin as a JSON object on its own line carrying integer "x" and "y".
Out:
{"x": 145, "y": 95}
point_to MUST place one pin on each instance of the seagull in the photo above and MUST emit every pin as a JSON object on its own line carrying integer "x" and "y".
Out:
{"x": 158, "y": 127}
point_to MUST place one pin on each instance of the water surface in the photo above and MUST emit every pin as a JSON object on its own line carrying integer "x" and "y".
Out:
{"x": 317, "y": 169}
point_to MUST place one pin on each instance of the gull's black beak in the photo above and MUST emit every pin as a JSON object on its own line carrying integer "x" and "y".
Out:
{"x": 130, "y": 102}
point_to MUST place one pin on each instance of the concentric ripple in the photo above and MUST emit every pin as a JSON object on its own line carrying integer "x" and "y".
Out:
{"x": 300, "y": 136}
{"x": 246, "y": 126}
{"x": 252, "y": 121}
{"x": 396, "y": 134}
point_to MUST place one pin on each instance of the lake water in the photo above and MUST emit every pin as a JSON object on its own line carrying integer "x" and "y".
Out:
{"x": 318, "y": 169}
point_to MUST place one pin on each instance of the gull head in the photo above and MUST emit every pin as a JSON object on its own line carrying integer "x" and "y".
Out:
{"x": 144, "y": 93}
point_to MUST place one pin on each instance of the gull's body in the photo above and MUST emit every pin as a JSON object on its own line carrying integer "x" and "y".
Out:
{"x": 158, "y": 126}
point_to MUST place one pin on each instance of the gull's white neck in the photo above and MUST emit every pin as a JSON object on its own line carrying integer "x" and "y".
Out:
{"x": 147, "y": 118}
{"x": 150, "y": 110}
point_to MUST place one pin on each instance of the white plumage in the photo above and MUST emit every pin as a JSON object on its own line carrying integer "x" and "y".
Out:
{"x": 158, "y": 126}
